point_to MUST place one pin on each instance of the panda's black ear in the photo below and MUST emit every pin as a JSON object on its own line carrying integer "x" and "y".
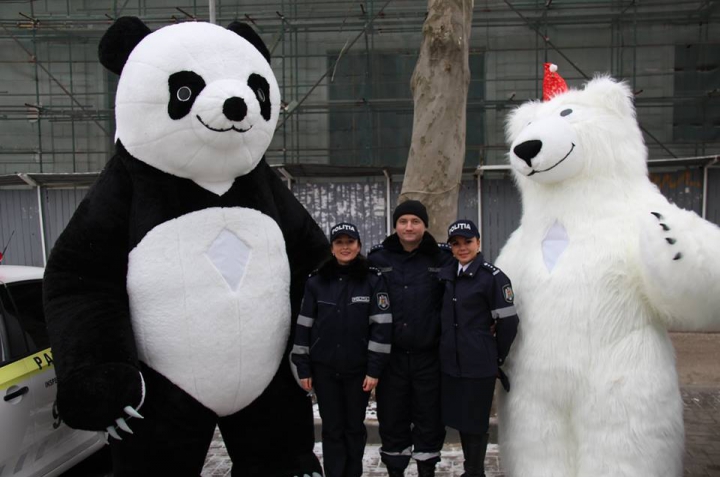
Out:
{"x": 120, "y": 39}
{"x": 246, "y": 31}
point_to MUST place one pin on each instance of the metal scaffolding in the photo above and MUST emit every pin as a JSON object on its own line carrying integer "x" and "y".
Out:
{"x": 344, "y": 75}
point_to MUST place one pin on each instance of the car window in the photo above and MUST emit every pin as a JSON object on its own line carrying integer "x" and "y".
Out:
{"x": 23, "y": 319}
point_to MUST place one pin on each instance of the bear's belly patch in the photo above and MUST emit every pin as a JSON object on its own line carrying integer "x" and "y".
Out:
{"x": 209, "y": 299}
{"x": 554, "y": 244}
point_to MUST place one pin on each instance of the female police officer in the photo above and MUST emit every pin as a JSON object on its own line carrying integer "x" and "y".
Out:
{"x": 477, "y": 296}
{"x": 342, "y": 344}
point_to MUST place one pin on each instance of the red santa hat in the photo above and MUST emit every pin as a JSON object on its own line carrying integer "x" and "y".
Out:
{"x": 553, "y": 84}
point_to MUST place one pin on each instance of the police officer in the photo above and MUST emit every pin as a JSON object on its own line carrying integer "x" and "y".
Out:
{"x": 477, "y": 296}
{"x": 342, "y": 343}
{"x": 408, "y": 396}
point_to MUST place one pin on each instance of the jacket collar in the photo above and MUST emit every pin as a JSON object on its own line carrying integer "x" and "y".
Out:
{"x": 428, "y": 245}
{"x": 451, "y": 271}
{"x": 358, "y": 268}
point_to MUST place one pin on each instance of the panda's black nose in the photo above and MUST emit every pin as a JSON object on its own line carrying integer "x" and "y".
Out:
{"x": 235, "y": 109}
{"x": 528, "y": 150}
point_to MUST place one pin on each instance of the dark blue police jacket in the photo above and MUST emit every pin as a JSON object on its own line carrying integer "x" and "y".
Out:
{"x": 472, "y": 302}
{"x": 415, "y": 290}
{"x": 345, "y": 321}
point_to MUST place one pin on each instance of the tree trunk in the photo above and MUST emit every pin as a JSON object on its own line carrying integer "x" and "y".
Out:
{"x": 440, "y": 86}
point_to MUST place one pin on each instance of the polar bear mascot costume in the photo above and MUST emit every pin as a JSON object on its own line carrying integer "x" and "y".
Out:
{"x": 602, "y": 266}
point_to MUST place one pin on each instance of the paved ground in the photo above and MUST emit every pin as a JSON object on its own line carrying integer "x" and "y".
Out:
{"x": 702, "y": 445}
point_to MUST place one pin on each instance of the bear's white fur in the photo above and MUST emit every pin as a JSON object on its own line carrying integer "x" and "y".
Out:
{"x": 597, "y": 283}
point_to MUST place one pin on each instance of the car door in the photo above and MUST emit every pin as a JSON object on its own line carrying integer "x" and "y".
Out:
{"x": 17, "y": 408}
{"x": 56, "y": 446}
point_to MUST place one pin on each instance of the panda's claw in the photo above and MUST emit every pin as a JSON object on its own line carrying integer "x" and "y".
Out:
{"x": 111, "y": 430}
{"x": 664, "y": 227}
{"x": 123, "y": 425}
{"x": 657, "y": 215}
{"x": 670, "y": 240}
{"x": 677, "y": 256}
{"x": 130, "y": 411}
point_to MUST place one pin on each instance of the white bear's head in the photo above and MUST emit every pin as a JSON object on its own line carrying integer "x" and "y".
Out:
{"x": 195, "y": 100}
{"x": 580, "y": 135}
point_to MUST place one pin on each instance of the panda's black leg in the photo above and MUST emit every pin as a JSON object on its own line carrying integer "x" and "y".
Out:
{"x": 172, "y": 439}
{"x": 274, "y": 436}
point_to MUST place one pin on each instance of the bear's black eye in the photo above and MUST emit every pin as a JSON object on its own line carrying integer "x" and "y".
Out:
{"x": 185, "y": 86}
{"x": 566, "y": 112}
{"x": 184, "y": 93}
{"x": 262, "y": 91}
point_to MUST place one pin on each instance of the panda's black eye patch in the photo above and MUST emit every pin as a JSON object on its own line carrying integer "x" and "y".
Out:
{"x": 262, "y": 91}
{"x": 185, "y": 86}
{"x": 566, "y": 112}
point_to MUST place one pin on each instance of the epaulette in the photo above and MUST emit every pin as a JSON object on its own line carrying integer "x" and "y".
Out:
{"x": 444, "y": 246}
{"x": 492, "y": 268}
{"x": 376, "y": 247}
{"x": 375, "y": 270}
{"x": 314, "y": 272}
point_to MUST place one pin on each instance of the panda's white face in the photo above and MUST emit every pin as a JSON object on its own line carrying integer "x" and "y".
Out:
{"x": 197, "y": 101}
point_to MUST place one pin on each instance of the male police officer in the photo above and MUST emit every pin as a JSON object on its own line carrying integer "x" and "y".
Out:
{"x": 408, "y": 394}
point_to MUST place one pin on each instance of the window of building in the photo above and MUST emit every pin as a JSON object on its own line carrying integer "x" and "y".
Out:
{"x": 371, "y": 108}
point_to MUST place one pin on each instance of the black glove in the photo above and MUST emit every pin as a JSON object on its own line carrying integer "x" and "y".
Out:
{"x": 504, "y": 380}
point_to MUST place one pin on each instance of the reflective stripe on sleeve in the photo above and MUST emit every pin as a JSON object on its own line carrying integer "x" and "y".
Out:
{"x": 379, "y": 348}
{"x": 383, "y": 318}
{"x": 297, "y": 349}
{"x": 305, "y": 321}
{"x": 504, "y": 312}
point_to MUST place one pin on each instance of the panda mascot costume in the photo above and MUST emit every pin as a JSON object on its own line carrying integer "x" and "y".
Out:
{"x": 171, "y": 293}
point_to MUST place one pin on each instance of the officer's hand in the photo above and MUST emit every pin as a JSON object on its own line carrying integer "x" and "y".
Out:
{"x": 369, "y": 384}
{"x": 306, "y": 384}
{"x": 493, "y": 328}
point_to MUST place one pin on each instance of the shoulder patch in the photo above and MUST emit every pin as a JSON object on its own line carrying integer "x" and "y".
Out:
{"x": 383, "y": 301}
{"x": 376, "y": 247}
{"x": 314, "y": 272}
{"x": 375, "y": 270}
{"x": 508, "y": 293}
{"x": 444, "y": 246}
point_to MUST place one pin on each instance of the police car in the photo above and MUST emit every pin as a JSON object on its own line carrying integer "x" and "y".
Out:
{"x": 33, "y": 439}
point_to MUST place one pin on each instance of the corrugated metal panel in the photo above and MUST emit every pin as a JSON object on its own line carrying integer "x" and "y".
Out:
{"x": 58, "y": 207}
{"x": 683, "y": 188}
{"x": 372, "y": 225}
{"x": 19, "y": 213}
{"x": 501, "y": 209}
{"x": 713, "y": 200}
{"x": 467, "y": 202}
{"x": 360, "y": 203}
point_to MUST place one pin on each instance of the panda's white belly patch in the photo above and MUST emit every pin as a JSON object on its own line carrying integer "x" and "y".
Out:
{"x": 209, "y": 299}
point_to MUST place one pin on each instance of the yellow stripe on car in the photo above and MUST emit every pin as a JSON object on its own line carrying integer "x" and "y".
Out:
{"x": 22, "y": 369}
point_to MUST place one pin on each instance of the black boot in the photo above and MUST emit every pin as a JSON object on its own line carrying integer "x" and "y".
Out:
{"x": 474, "y": 447}
{"x": 426, "y": 469}
{"x": 395, "y": 472}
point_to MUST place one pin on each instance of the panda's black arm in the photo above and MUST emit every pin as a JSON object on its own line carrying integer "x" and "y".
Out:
{"x": 87, "y": 310}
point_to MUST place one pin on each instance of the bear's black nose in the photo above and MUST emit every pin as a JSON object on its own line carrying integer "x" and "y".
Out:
{"x": 234, "y": 109}
{"x": 527, "y": 150}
